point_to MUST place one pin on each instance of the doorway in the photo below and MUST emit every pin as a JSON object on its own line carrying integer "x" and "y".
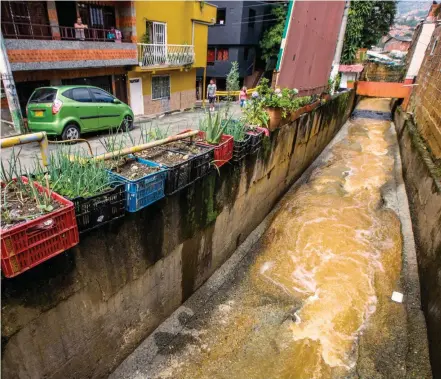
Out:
{"x": 136, "y": 99}
{"x": 66, "y": 13}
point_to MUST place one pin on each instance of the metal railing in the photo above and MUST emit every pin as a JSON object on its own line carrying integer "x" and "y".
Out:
{"x": 165, "y": 55}
{"x": 40, "y": 31}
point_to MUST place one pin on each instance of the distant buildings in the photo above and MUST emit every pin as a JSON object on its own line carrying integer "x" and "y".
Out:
{"x": 396, "y": 43}
{"x": 235, "y": 37}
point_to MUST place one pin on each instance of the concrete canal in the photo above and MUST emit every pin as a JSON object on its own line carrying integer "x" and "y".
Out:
{"x": 312, "y": 297}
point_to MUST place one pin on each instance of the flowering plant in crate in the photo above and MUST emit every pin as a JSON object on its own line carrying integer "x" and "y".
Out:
{"x": 36, "y": 224}
{"x": 238, "y": 130}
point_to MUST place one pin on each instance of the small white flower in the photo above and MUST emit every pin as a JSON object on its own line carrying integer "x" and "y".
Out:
{"x": 278, "y": 90}
{"x": 279, "y": 94}
{"x": 296, "y": 91}
{"x": 255, "y": 94}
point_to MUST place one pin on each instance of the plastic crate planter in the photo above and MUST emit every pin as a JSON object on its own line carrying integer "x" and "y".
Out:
{"x": 94, "y": 211}
{"x": 223, "y": 152}
{"x": 256, "y": 138}
{"x": 178, "y": 174}
{"x": 143, "y": 191}
{"x": 241, "y": 149}
{"x": 28, "y": 244}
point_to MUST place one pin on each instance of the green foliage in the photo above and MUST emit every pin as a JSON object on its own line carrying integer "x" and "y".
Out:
{"x": 73, "y": 177}
{"x": 232, "y": 82}
{"x": 236, "y": 128}
{"x": 368, "y": 21}
{"x": 254, "y": 113}
{"x": 272, "y": 37}
{"x": 213, "y": 127}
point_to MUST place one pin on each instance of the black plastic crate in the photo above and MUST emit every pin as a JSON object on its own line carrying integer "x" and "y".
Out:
{"x": 92, "y": 212}
{"x": 178, "y": 176}
{"x": 255, "y": 140}
{"x": 201, "y": 163}
{"x": 241, "y": 148}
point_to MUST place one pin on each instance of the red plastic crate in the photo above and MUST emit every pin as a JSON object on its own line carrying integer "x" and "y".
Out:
{"x": 31, "y": 243}
{"x": 222, "y": 152}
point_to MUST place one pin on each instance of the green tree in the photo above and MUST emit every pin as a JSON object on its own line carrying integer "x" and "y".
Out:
{"x": 272, "y": 37}
{"x": 368, "y": 21}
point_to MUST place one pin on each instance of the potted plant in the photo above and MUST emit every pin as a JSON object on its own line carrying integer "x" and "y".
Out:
{"x": 36, "y": 223}
{"x": 87, "y": 184}
{"x": 299, "y": 106}
{"x": 212, "y": 133}
{"x": 238, "y": 130}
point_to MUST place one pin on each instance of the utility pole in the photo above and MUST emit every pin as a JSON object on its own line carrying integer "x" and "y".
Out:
{"x": 10, "y": 90}
{"x": 341, "y": 38}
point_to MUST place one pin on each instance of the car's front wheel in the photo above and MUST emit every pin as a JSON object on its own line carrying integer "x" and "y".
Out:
{"x": 71, "y": 132}
{"x": 127, "y": 124}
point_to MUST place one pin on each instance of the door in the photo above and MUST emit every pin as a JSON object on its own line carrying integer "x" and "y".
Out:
{"x": 136, "y": 99}
{"x": 160, "y": 42}
{"x": 109, "y": 112}
{"x": 85, "y": 108}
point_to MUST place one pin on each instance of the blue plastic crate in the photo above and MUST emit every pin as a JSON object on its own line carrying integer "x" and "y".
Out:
{"x": 144, "y": 191}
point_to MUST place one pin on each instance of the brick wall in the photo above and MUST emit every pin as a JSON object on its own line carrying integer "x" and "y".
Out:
{"x": 426, "y": 97}
{"x": 178, "y": 100}
{"x": 32, "y": 76}
{"x": 376, "y": 72}
{"x": 52, "y": 55}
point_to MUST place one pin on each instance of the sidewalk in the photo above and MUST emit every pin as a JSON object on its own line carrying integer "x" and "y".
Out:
{"x": 172, "y": 124}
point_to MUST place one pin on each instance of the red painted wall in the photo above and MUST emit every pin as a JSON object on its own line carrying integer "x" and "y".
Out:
{"x": 310, "y": 45}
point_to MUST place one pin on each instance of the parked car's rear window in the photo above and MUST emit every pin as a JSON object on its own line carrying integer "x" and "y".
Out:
{"x": 43, "y": 95}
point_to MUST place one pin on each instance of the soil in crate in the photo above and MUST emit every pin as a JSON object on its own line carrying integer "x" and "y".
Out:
{"x": 18, "y": 207}
{"x": 132, "y": 169}
{"x": 186, "y": 148}
{"x": 167, "y": 158}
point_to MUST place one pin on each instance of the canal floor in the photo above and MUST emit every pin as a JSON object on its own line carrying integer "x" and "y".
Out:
{"x": 309, "y": 294}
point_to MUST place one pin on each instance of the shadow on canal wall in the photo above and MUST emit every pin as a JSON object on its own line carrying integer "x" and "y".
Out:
{"x": 423, "y": 186}
{"x": 81, "y": 313}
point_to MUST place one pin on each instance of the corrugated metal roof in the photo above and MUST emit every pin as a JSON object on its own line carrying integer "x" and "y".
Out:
{"x": 350, "y": 68}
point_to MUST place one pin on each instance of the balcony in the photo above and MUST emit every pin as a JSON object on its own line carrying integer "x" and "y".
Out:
{"x": 14, "y": 30}
{"x": 160, "y": 55}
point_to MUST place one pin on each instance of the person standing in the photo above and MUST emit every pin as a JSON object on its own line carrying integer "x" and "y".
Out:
{"x": 79, "y": 29}
{"x": 211, "y": 93}
{"x": 243, "y": 96}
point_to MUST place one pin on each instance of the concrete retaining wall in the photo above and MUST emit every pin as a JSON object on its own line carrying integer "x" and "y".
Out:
{"x": 423, "y": 188}
{"x": 81, "y": 313}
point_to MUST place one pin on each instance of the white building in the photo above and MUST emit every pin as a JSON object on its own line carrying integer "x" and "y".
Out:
{"x": 349, "y": 74}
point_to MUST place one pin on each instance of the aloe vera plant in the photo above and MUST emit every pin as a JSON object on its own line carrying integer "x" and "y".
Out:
{"x": 213, "y": 128}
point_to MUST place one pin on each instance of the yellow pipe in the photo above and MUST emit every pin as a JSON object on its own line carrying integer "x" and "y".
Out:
{"x": 136, "y": 149}
{"x": 39, "y": 137}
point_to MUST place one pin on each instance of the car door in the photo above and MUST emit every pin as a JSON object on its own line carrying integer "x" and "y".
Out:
{"x": 110, "y": 113}
{"x": 85, "y": 108}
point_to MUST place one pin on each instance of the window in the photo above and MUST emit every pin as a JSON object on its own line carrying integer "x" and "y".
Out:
{"x": 101, "y": 96}
{"x": 43, "y": 95}
{"x": 251, "y": 18}
{"x": 222, "y": 54}
{"x": 211, "y": 53}
{"x": 80, "y": 94}
{"x": 160, "y": 87}
{"x": 220, "y": 16}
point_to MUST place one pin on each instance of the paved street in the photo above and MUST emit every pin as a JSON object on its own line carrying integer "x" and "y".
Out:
{"x": 172, "y": 124}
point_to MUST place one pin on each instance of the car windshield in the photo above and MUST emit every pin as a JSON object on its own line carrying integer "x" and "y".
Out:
{"x": 43, "y": 95}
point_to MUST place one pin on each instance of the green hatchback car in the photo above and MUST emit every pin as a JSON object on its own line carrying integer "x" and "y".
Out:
{"x": 69, "y": 111}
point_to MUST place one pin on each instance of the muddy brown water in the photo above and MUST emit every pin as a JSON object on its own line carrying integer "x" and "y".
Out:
{"x": 328, "y": 263}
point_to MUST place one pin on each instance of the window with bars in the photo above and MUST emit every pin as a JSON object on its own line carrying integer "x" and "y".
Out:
{"x": 160, "y": 87}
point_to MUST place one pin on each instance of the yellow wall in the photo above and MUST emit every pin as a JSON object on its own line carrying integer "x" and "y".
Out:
{"x": 178, "y": 15}
{"x": 179, "y": 80}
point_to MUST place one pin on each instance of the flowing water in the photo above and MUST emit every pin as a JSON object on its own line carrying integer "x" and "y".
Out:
{"x": 327, "y": 264}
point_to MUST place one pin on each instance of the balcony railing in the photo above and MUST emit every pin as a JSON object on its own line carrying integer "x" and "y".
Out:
{"x": 151, "y": 55}
{"x": 38, "y": 31}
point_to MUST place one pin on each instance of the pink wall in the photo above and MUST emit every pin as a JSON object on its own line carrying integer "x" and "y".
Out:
{"x": 310, "y": 45}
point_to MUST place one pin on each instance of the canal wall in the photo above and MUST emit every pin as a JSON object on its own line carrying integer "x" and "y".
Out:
{"x": 423, "y": 186}
{"x": 81, "y": 313}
